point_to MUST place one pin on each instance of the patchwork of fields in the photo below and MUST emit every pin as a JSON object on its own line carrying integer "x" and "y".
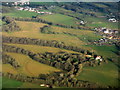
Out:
{"x": 28, "y": 66}
{"x": 59, "y": 18}
{"x": 32, "y": 57}
{"x": 31, "y": 30}
{"x": 10, "y": 83}
{"x": 105, "y": 74}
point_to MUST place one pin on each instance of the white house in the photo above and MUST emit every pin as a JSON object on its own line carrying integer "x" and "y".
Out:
{"x": 98, "y": 58}
{"x": 21, "y": 2}
{"x": 42, "y": 85}
{"x": 82, "y": 22}
{"x": 106, "y": 31}
{"x": 112, "y": 20}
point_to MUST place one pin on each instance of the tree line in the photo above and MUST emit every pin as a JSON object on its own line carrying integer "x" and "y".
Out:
{"x": 57, "y": 61}
{"x": 38, "y": 19}
{"x": 58, "y": 79}
{"x": 10, "y": 25}
{"x": 50, "y": 43}
{"x": 69, "y": 62}
{"x": 72, "y": 63}
{"x": 46, "y": 29}
{"x": 7, "y": 59}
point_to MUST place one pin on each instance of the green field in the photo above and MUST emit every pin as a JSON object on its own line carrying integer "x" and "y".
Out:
{"x": 17, "y": 13}
{"x": 11, "y": 83}
{"x": 106, "y": 51}
{"x": 59, "y": 18}
{"x": 84, "y": 35}
{"x": 100, "y": 22}
{"x": 106, "y": 74}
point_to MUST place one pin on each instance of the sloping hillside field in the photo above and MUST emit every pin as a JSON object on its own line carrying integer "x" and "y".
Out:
{"x": 60, "y": 45}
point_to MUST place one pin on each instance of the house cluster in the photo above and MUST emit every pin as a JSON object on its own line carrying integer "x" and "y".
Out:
{"x": 110, "y": 37}
{"x": 106, "y": 30}
{"x": 102, "y": 41}
{"x": 19, "y": 2}
{"x": 99, "y": 58}
{"x": 107, "y": 40}
{"x": 30, "y": 9}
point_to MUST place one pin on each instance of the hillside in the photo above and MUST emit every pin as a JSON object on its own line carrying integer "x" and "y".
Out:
{"x": 67, "y": 44}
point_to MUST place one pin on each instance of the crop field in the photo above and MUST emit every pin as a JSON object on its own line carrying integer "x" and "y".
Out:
{"x": 97, "y": 60}
{"x": 40, "y": 49}
{"x": 106, "y": 74}
{"x": 59, "y": 18}
{"x": 32, "y": 30}
{"x": 8, "y": 68}
{"x": 87, "y": 34}
{"x": 30, "y": 67}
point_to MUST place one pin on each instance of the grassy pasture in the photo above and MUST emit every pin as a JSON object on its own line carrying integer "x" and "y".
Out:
{"x": 11, "y": 83}
{"x": 17, "y": 13}
{"x": 100, "y": 22}
{"x": 106, "y": 51}
{"x": 87, "y": 34}
{"x": 58, "y": 9}
{"x": 59, "y": 18}
{"x": 32, "y": 30}
{"x": 30, "y": 67}
{"x": 106, "y": 74}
